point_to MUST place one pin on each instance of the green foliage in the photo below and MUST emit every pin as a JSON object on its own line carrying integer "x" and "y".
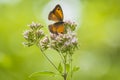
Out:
{"x": 98, "y": 34}
{"x": 42, "y": 73}
{"x": 75, "y": 68}
{"x": 67, "y": 67}
{"x": 60, "y": 68}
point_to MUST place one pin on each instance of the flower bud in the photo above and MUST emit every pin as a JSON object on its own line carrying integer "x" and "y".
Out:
{"x": 70, "y": 25}
{"x": 26, "y": 34}
{"x": 53, "y": 36}
{"x": 35, "y": 25}
{"x": 44, "y": 42}
{"x": 39, "y": 33}
{"x": 74, "y": 40}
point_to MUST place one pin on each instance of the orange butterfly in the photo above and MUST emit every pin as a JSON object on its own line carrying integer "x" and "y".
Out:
{"x": 56, "y": 15}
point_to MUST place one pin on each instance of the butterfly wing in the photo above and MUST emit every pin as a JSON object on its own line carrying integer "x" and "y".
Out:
{"x": 57, "y": 27}
{"x": 52, "y": 28}
{"x": 56, "y": 14}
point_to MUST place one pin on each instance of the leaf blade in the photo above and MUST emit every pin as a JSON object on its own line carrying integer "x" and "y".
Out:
{"x": 60, "y": 68}
{"x": 42, "y": 73}
{"x": 75, "y": 68}
{"x": 68, "y": 67}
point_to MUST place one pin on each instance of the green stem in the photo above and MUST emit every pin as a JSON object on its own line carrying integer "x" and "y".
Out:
{"x": 65, "y": 73}
{"x": 61, "y": 56}
{"x": 49, "y": 60}
{"x": 70, "y": 67}
{"x": 65, "y": 76}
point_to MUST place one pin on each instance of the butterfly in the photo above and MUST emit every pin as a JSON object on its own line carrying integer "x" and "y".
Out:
{"x": 56, "y": 15}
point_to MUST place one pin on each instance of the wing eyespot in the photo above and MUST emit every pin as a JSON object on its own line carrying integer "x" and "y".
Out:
{"x": 58, "y": 9}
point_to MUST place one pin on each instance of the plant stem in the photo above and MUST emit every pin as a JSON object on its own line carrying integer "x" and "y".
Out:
{"x": 61, "y": 56}
{"x": 65, "y": 73}
{"x": 70, "y": 67}
{"x": 49, "y": 60}
{"x": 65, "y": 76}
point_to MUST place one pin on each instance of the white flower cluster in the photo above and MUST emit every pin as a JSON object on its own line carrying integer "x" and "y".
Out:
{"x": 64, "y": 42}
{"x": 60, "y": 42}
{"x": 44, "y": 43}
{"x": 35, "y": 25}
{"x": 34, "y": 34}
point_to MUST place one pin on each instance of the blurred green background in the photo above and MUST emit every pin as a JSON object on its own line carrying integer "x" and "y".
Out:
{"x": 98, "y": 34}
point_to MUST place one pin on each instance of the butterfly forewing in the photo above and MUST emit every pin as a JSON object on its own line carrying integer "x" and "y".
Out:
{"x": 53, "y": 17}
{"x": 56, "y": 14}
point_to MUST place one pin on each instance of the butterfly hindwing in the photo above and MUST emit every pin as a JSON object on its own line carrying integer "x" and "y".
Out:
{"x": 56, "y": 14}
{"x": 52, "y": 28}
{"x": 57, "y": 27}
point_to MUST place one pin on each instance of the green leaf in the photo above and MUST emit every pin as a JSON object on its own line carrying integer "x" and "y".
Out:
{"x": 60, "y": 68}
{"x": 75, "y": 68}
{"x": 42, "y": 73}
{"x": 68, "y": 67}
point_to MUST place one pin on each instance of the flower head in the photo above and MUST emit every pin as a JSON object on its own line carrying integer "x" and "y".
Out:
{"x": 44, "y": 43}
{"x": 35, "y": 25}
{"x": 39, "y": 33}
{"x": 34, "y": 34}
{"x": 26, "y": 34}
{"x": 71, "y": 25}
{"x": 65, "y": 42}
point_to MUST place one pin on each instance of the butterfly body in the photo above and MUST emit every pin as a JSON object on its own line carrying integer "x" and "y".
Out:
{"x": 56, "y": 15}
